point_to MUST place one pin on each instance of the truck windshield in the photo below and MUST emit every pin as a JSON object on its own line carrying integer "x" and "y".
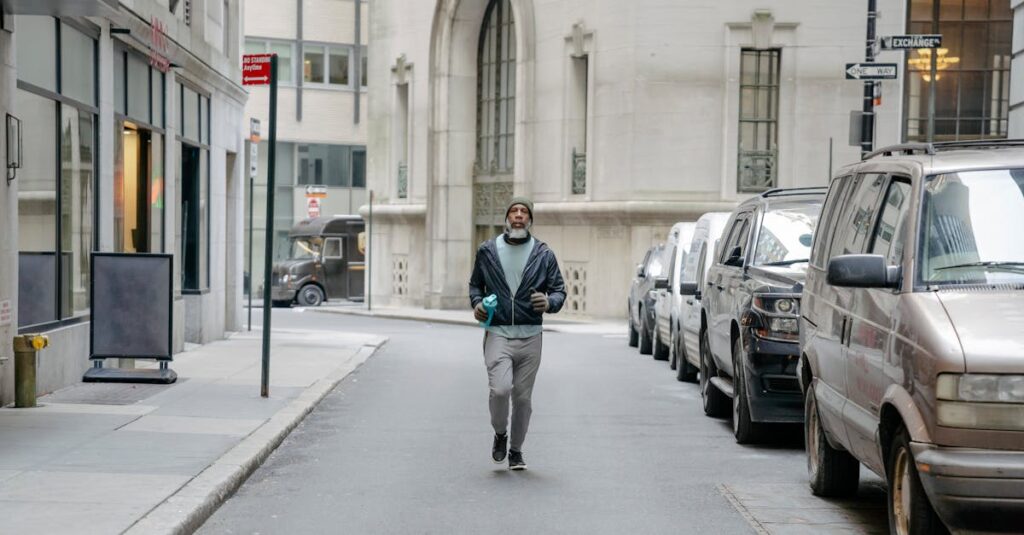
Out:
{"x": 786, "y": 234}
{"x": 305, "y": 248}
{"x": 970, "y": 228}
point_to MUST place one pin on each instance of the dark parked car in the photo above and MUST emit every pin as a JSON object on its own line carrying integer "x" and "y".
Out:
{"x": 752, "y": 306}
{"x": 325, "y": 262}
{"x": 650, "y": 275}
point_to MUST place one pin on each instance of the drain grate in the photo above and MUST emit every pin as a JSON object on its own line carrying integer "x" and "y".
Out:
{"x": 106, "y": 393}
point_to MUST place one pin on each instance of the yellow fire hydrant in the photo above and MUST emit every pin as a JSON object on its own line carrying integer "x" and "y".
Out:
{"x": 25, "y": 348}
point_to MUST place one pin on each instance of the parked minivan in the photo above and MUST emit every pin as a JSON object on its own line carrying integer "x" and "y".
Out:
{"x": 912, "y": 334}
{"x": 325, "y": 261}
{"x": 685, "y": 344}
{"x": 640, "y": 304}
{"x": 667, "y": 297}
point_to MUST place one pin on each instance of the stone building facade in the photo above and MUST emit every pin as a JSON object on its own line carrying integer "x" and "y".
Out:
{"x": 617, "y": 118}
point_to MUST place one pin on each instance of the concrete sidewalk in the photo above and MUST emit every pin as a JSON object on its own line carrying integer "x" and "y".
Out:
{"x": 109, "y": 458}
{"x": 552, "y": 323}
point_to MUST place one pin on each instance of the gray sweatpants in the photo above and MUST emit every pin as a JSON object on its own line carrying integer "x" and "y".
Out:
{"x": 512, "y": 365}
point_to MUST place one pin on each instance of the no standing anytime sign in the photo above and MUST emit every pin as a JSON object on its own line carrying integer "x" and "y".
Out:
{"x": 256, "y": 69}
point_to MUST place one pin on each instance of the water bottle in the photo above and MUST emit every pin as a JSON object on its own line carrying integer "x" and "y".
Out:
{"x": 490, "y": 303}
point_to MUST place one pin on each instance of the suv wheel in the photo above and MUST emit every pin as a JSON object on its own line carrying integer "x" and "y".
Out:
{"x": 634, "y": 337}
{"x": 660, "y": 349}
{"x": 832, "y": 473}
{"x": 745, "y": 429}
{"x": 910, "y": 512}
{"x": 714, "y": 401}
{"x": 646, "y": 346}
{"x": 311, "y": 296}
{"x": 684, "y": 370}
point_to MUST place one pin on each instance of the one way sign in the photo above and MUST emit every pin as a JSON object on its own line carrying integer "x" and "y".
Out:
{"x": 871, "y": 71}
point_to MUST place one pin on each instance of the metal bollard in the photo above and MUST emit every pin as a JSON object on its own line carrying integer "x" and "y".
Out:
{"x": 25, "y": 348}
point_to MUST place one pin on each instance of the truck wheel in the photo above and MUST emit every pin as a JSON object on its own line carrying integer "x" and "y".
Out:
{"x": 311, "y": 296}
{"x": 660, "y": 349}
{"x": 744, "y": 428}
{"x": 833, "y": 473}
{"x": 714, "y": 401}
{"x": 910, "y": 512}
{"x": 634, "y": 337}
{"x": 685, "y": 371}
{"x": 646, "y": 345}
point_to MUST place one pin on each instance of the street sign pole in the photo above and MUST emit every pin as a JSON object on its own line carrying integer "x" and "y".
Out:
{"x": 868, "y": 125}
{"x": 252, "y": 180}
{"x": 268, "y": 257}
{"x": 933, "y": 68}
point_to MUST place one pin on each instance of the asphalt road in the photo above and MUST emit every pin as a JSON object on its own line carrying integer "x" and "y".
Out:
{"x": 616, "y": 445}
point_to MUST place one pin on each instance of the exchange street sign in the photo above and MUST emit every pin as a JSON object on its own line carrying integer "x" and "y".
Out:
{"x": 871, "y": 71}
{"x": 905, "y": 42}
{"x": 256, "y": 69}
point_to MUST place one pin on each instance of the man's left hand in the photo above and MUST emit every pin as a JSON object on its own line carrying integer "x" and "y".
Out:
{"x": 539, "y": 302}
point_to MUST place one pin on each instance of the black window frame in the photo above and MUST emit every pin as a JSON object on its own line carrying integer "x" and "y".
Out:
{"x": 59, "y": 101}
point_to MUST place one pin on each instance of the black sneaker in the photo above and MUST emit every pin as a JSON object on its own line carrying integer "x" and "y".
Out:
{"x": 515, "y": 460}
{"x": 500, "y": 448}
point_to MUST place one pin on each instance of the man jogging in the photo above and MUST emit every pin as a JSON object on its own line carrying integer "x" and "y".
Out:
{"x": 523, "y": 273}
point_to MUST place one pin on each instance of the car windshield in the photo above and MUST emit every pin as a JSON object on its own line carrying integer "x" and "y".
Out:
{"x": 970, "y": 228}
{"x": 786, "y": 234}
{"x": 658, "y": 266}
{"x": 305, "y": 248}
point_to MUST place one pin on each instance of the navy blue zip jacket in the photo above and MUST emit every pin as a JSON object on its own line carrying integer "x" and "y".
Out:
{"x": 541, "y": 274}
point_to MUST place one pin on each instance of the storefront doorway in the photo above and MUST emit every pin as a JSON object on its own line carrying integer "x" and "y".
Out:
{"x": 139, "y": 191}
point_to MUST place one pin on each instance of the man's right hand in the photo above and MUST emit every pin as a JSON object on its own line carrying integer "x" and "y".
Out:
{"x": 480, "y": 313}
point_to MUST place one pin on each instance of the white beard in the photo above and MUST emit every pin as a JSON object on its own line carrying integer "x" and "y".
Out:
{"x": 517, "y": 233}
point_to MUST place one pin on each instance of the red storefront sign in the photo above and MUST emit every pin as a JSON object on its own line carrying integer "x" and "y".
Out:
{"x": 256, "y": 69}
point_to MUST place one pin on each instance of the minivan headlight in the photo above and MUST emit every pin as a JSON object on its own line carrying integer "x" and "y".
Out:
{"x": 981, "y": 401}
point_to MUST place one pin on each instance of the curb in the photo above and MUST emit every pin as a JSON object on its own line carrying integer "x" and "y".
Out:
{"x": 190, "y": 506}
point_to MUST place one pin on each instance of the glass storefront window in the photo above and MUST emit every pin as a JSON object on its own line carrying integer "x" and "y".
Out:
{"x": 138, "y": 88}
{"x": 157, "y": 98}
{"x": 972, "y": 82}
{"x": 37, "y": 50}
{"x": 138, "y": 191}
{"x": 77, "y": 160}
{"x": 77, "y": 65}
{"x": 190, "y": 114}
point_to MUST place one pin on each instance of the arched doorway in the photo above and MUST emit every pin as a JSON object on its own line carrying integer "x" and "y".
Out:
{"x": 477, "y": 127}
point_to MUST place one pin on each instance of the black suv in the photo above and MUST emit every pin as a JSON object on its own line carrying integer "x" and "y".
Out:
{"x": 651, "y": 275}
{"x": 751, "y": 307}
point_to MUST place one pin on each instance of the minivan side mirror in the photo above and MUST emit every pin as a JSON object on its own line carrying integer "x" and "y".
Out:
{"x": 661, "y": 283}
{"x": 735, "y": 257}
{"x": 862, "y": 271}
{"x": 688, "y": 288}
{"x": 640, "y": 270}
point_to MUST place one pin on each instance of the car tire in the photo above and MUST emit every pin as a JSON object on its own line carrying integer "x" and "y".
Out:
{"x": 646, "y": 345}
{"x": 310, "y": 296}
{"x": 634, "y": 336}
{"x": 833, "y": 473}
{"x": 745, "y": 429}
{"x": 910, "y": 512}
{"x": 685, "y": 371}
{"x": 715, "y": 403}
{"x": 660, "y": 350}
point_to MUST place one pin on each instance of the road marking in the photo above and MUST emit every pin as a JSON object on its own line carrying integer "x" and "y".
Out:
{"x": 731, "y": 498}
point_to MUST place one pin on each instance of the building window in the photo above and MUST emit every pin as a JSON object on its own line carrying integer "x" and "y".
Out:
{"x": 363, "y": 76}
{"x": 284, "y": 51}
{"x": 56, "y": 195}
{"x": 496, "y": 90}
{"x": 193, "y": 189}
{"x": 332, "y": 165}
{"x": 338, "y": 66}
{"x": 759, "y": 119}
{"x": 577, "y": 120}
{"x": 972, "y": 82}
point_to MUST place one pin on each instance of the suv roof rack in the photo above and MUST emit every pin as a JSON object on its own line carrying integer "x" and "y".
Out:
{"x": 930, "y": 149}
{"x": 779, "y": 192}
